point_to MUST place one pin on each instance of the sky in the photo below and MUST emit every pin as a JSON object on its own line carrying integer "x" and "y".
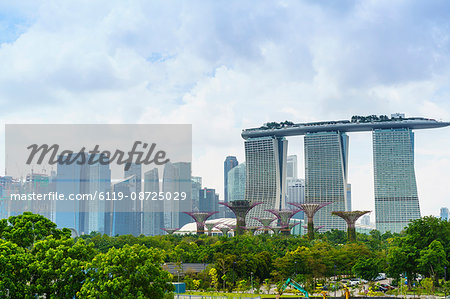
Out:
{"x": 227, "y": 65}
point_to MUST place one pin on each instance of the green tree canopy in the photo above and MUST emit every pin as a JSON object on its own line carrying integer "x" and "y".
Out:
{"x": 57, "y": 269}
{"x": 14, "y": 272}
{"x": 28, "y": 228}
{"x": 128, "y": 272}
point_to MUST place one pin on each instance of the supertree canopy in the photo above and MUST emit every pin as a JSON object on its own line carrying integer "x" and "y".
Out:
{"x": 284, "y": 216}
{"x": 265, "y": 223}
{"x": 224, "y": 229}
{"x": 210, "y": 226}
{"x": 170, "y": 231}
{"x": 350, "y": 217}
{"x": 240, "y": 208}
{"x": 310, "y": 210}
{"x": 200, "y": 218}
{"x": 277, "y": 229}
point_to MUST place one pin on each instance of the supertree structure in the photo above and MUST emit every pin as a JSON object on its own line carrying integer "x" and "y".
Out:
{"x": 277, "y": 229}
{"x": 310, "y": 209}
{"x": 240, "y": 208}
{"x": 265, "y": 223}
{"x": 292, "y": 225}
{"x": 284, "y": 216}
{"x": 170, "y": 231}
{"x": 350, "y": 217}
{"x": 316, "y": 229}
{"x": 200, "y": 219}
{"x": 224, "y": 229}
{"x": 209, "y": 226}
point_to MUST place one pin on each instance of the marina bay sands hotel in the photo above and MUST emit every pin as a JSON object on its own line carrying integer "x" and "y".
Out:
{"x": 326, "y": 167}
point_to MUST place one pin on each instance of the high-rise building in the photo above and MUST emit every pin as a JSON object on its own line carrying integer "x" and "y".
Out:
{"x": 396, "y": 200}
{"x": 71, "y": 179}
{"x": 230, "y": 163}
{"x": 291, "y": 167}
{"x": 209, "y": 201}
{"x": 126, "y": 219}
{"x": 236, "y": 183}
{"x": 326, "y": 176}
{"x": 296, "y": 194}
{"x": 196, "y": 186}
{"x": 176, "y": 178}
{"x": 349, "y": 197}
{"x": 444, "y": 214}
{"x": 365, "y": 220}
{"x": 266, "y": 176}
{"x": 99, "y": 180}
{"x": 40, "y": 183}
{"x": 74, "y": 179}
{"x": 133, "y": 169}
{"x": 153, "y": 210}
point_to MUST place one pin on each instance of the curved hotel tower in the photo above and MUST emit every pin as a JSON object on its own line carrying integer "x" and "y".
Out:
{"x": 326, "y": 167}
{"x": 396, "y": 201}
{"x": 266, "y": 175}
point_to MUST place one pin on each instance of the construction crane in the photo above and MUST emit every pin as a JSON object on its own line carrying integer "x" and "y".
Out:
{"x": 294, "y": 284}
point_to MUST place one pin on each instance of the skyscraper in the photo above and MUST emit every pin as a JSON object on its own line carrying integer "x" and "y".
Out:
{"x": 236, "y": 183}
{"x": 230, "y": 163}
{"x": 71, "y": 179}
{"x": 125, "y": 217}
{"x": 99, "y": 176}
{"x": 444, "y": 214}
{"x": 266, "y": 179}
{"x": 153, "y": 210}
{"x": 296, "y": 194}
{"x": 396, "y": 201}
{"x": 326, "y": 176}
{"x": 291, "y": 167}
{"x": 176, "y": 178}
{"x": 133, "y": 169}
{"x": 209, "y": 201}
{"x": 196, "y": 186}
{"x": 349, "y": 197}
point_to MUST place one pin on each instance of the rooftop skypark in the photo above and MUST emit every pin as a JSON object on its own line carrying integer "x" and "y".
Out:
{"x": 355, "y": 124}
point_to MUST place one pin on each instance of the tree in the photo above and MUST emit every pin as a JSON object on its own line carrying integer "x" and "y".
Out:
{"x": 432, "y": 260}
{"x": 14, "y": 272}
{"x": 402, "y": 259}
{"x": 129, "y": 272}
{"x": 28, "y": 228}
{"x": 214, "y": 278}
{"x": 367, "y": 268}
{"x": 57, "y": 269}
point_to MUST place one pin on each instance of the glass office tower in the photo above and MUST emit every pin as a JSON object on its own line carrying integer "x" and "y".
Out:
{"x": 396, "y": 201}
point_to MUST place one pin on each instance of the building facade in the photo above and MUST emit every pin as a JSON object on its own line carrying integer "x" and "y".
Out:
{"x": 209, "y": 201}
{"x": 229, "y": 163}
{"x": 153, "y": 210}
{"x": 326, "y": 176}
{"x": 266, "y": 175}
{"x": 236, "y": 183}
{"x": 396, "y": 200}
{"x": 444, "y": 214}
{"x": 296, "y": 194}
{"x": 177, "y": 178}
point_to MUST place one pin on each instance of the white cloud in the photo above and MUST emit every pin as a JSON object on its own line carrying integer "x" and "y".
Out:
{"x": 224, "y": 66}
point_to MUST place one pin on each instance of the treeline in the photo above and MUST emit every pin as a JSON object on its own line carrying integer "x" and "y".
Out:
{"x": 36, "y": 259}
{"x": 39, "y": 261}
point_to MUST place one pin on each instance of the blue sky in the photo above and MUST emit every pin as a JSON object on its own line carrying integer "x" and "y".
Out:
{"x": 228, "y": 65}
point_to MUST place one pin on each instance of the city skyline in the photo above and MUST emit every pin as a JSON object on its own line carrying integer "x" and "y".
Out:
{"x": 297, "y": 60}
